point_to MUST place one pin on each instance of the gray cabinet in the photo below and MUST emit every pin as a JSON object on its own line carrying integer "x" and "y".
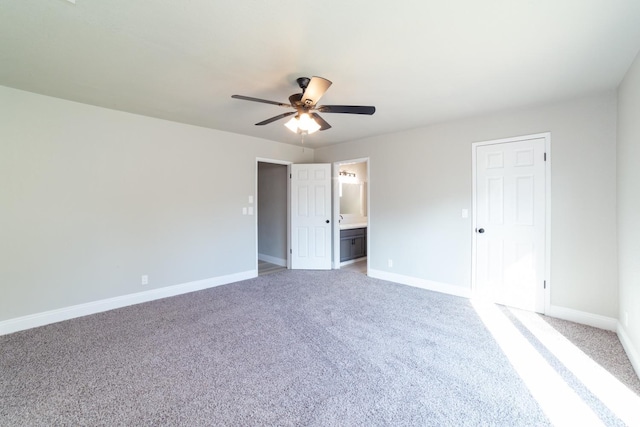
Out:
{"x": 353, "y": 244}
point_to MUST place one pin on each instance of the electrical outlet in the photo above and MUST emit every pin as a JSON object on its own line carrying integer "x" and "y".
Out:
{"x": 144, "y": 280}
{"x": 390, "y": 263}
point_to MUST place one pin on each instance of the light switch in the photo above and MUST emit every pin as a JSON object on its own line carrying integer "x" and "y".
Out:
{"x": 465, "y": 213}
{"x": 244, "y": 211}
{"x": 250, "y": 199}
{"x": 250, "y": 210}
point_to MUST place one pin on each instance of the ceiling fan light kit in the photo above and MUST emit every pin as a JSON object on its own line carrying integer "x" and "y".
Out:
{"x": 306, "y": 120}
{"x": 303, "y": 123}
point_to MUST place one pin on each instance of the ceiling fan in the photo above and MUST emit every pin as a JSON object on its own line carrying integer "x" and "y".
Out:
{"x": 306, "y": 119}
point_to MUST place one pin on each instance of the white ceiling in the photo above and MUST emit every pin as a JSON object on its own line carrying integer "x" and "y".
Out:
{"x": 418, "y": 61}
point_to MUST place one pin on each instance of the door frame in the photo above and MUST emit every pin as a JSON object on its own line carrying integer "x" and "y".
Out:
{"x": 336, "y": 209}
{"x": 547, "y": 170}
{"x": 255, "y": 192}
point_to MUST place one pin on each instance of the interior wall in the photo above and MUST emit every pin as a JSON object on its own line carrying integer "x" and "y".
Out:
{"x": 94, "y": 198}
{"x": 272, "y": 211}
{"x": 423, "y": 180}
{"x": 629, "y": 206}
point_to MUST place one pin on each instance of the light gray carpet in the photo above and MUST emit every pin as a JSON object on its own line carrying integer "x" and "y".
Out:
{"x": 289, "y": 348}
{"x": 602, "y": 346}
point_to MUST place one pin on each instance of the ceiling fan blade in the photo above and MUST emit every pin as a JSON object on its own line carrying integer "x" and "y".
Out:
{"x": 314, "y": 91}
{"x": 278, "y": 117}
{"x": 347, "y": 109}
{"x": 264, "y": 101}
{"x": 322, "y": 122}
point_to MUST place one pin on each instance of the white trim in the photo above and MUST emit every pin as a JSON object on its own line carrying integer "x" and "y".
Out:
{"x": 416, "y": 282}
{"x": 547, "y": 237}
{"x": 273, "y": 260}
{"x": 582, "y": 317}
{"x": 547, "y": 171}
{"x": 632, "y": 353}
{"x": 66, "y": 313}
{"x": 274, "y": 161}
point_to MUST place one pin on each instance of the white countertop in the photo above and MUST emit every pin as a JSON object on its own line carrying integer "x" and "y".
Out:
{"x": 349, "y": 226}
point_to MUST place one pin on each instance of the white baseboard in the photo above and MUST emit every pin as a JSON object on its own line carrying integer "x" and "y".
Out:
{"x": 66, "y": 313}
{"x": 430, "y": 285}
{"x": 273, "y": 260}
{"x": 577, "y": 316}
{"x": 632, "y": 352}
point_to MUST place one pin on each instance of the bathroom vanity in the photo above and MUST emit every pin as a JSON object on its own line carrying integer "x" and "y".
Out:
{"x": 353, "y": 243}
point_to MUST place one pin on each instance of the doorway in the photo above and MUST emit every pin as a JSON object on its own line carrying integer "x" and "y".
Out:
{"x": 510, "y": 223}
{"x": 272, "y": 216}
{"x": 351, "y": 249}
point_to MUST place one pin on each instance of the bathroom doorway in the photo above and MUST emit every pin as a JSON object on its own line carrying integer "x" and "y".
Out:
{"x": 351, "y": 215}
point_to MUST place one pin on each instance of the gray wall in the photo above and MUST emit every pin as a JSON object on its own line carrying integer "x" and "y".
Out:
{"x": 272, "y": 210}
{"x": 93, "y": 198}
{"x": 629, "y": 204}
{"x": 421, "y": 179}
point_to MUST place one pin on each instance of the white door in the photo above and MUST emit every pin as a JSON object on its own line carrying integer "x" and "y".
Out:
{"x": 311, "y": 217}
{"x": 510, "y": 223}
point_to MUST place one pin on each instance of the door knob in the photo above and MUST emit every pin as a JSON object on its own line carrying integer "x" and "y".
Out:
{"x": 480, "y": 230}
{"x": 327, "y": 221}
